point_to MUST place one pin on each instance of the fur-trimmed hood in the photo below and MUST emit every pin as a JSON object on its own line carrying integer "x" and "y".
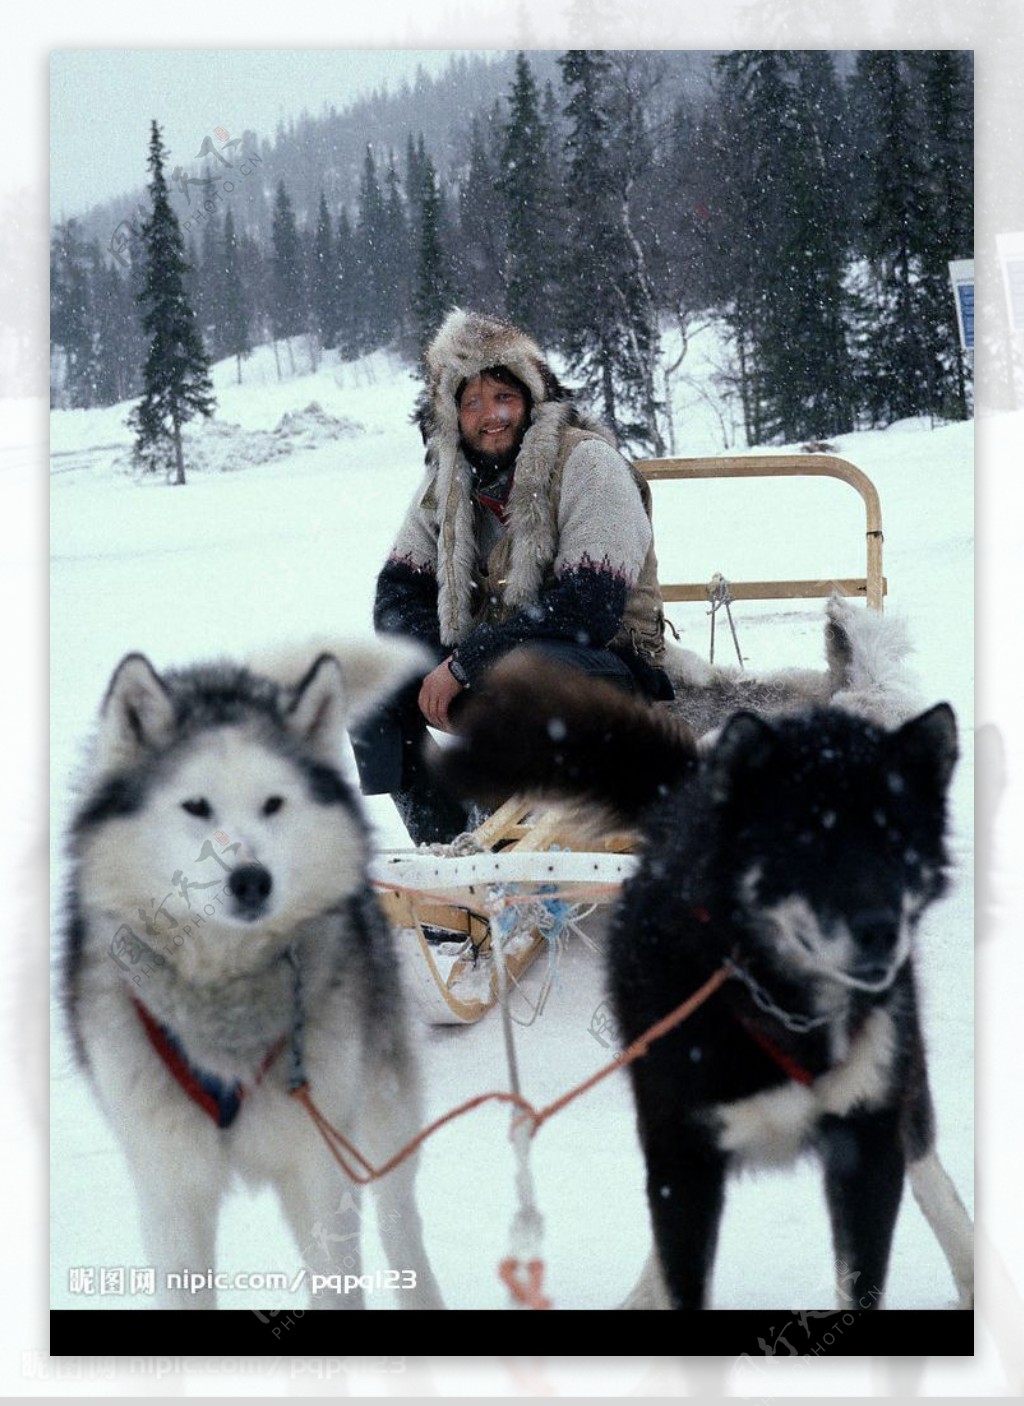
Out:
{"x": 466, "y": 344}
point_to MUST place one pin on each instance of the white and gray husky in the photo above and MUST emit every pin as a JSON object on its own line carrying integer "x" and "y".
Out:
{"x": 224, "y": 945}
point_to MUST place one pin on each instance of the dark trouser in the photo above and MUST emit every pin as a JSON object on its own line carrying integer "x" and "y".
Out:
{"x": 388, "y": 746}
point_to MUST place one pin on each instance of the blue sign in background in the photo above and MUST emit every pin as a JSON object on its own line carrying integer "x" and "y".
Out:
{"x": 965, "y": 294}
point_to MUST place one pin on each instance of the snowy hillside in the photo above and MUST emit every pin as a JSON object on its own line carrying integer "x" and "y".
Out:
{"x": 279, "y": 535}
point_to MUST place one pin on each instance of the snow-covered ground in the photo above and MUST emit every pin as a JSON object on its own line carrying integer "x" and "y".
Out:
{"x": 262, "y": 547}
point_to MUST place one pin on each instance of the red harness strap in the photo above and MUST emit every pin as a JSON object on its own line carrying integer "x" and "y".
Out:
{"x": 785, "y": 1062}
{"x": 218, "y": 1099}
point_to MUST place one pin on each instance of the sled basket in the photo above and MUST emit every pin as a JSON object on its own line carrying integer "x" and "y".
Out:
{"x": 516, "y": 879}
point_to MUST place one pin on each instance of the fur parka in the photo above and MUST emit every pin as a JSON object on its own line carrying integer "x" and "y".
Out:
{"x": 576, "y": 560}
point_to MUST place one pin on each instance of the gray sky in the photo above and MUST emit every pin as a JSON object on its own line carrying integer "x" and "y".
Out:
{"x": 103, "y": 100}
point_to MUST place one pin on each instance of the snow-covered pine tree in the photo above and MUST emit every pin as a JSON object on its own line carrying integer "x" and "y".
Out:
{"x": 346, "y": 275}
{"x": 288, "y": 299}
{"x": 71, "y": 314}
{"x": 415, "y": 171}
{"x": 526, "y": 185}
{"x": 605, "y": 315}
{"x": 783, "y": 241}
{"x": 176, "y": 376}
{"x": 209, "y": 273}
{"x": 235, "y": 334}
{"x": 807, "y": 363}
{"x": 433, "y": 294}
{"x": 478, "y": 251}
{"x": 395, "y": 257}
{"x": 944, "y": 82}
{"x": 323, "y": 287}
{"x": 370, "y": 238}
{"x": 897, "y": 369}
{"x": 113, "y": 318}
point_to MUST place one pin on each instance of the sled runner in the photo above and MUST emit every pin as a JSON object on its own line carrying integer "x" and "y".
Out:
{"x": 522, "y": 875}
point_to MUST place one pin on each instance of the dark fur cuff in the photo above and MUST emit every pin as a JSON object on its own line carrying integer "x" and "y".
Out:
{"x": 584, "y": 605}
{"x": 406, "y": 603}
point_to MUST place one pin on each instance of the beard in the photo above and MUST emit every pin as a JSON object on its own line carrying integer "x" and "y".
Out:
{"x": 490, "y": 470}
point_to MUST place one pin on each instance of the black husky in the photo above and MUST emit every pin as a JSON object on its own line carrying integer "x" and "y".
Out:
{"x": 802, "y": 853}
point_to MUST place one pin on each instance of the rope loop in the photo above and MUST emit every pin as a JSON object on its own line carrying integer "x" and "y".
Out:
{"x": 524, "y": 1282}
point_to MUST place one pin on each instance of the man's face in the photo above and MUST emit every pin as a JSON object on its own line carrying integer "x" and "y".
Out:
{"x": 491, "y": 416}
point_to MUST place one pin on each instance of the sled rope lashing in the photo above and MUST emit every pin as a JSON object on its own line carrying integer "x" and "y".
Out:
{"x": 525, "y": 926}
{"x": 359, "y": 1169}
{"x": 440, "y": 901}
{"x": 522, "y": 1270}
{"x": 719, "y": 595}
{"x": 548, "y": 914}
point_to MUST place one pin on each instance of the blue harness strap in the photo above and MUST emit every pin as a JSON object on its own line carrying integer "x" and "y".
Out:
{"x": 218, "y": 1098}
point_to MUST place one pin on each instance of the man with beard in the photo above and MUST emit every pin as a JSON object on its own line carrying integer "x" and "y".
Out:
{"x": 529, "y": 530}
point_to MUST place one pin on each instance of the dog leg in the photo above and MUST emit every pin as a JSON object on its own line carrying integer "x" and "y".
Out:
{"x": 864, "y": 1167}
{"x": 685, "y": 1193}
{"x": 179, "y": 1232}
{"x": 946, "y": 1214}
{"x": 324, "y": 1214}
{"x": 401, "y": 1233}
{"x": 179, "y": 1200}
{"x": 649, "y": 1290}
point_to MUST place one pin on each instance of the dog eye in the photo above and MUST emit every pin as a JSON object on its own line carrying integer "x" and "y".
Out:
{"x": 272, "y": 805}
{"x": 199, "y": 806}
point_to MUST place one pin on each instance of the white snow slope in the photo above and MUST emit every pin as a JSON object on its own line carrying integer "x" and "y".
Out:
{"x": 253, "y": 553}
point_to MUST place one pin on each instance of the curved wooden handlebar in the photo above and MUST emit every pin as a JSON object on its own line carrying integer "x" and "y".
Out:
{"x": 872, "y": 585}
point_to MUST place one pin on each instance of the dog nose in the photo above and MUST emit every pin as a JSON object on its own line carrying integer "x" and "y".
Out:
{"x": 250, "y": 886}
{"x": 876, "y": 931}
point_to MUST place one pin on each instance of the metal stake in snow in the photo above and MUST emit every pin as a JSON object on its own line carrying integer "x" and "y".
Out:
{"x": 527, "y": 1227}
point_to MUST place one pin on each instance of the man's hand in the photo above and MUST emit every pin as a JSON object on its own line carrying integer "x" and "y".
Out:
{"x": 439, "y": 689}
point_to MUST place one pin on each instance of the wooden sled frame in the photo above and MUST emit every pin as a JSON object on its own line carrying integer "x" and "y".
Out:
{"x": 871, "y": 586}
{"x": 518, "y": 848}
{"x": 455, "y": 894}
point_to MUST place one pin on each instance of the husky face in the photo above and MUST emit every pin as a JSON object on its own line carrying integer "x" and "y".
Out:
{"x": 221, "y": 788}
{"x": 844, "y": 824}
{"x": 248, "y": 835}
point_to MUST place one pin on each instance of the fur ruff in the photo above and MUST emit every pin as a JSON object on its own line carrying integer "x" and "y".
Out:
{"x": 866, "y": 674}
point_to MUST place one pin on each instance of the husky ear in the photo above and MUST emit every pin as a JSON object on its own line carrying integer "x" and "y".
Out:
{"x": 929, "y": 743}
{"x": 137, "y": 714}
{"x": 745, "y": 746}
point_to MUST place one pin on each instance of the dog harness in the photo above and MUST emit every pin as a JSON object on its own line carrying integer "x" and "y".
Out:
{"x": 218, "y": 1098}
{"x": 786, "y": 1062}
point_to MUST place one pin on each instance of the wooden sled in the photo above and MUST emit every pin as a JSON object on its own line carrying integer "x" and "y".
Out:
{"x": 449, "y": 910}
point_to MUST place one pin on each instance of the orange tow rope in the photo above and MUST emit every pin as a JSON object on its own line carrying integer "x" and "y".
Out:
{"x": 359, "y": 1169}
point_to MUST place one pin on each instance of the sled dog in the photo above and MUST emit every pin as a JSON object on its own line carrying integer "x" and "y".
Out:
{"x": 866, "y": 673}
{"x": 801, "y": 852}
{"x": 223, "y": 945}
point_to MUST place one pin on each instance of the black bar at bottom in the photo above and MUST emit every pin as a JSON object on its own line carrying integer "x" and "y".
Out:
{"x": 727, "y": 1333}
